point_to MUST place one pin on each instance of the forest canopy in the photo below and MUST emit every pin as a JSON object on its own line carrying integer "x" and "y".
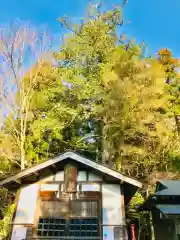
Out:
{"x": 97, "y": 95}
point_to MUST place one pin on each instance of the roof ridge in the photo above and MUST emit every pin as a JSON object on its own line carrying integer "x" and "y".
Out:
{"x": 77, "y": 157}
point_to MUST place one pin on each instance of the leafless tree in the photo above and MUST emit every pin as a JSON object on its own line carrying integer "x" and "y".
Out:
{"x": 21, "y": 52}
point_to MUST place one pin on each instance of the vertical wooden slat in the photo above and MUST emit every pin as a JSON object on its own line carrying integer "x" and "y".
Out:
{"x": 122, "y": 206}
{"x": 37, "y": 211}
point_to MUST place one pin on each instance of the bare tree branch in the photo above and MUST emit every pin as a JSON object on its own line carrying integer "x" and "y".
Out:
{"x": 20, "y": 45}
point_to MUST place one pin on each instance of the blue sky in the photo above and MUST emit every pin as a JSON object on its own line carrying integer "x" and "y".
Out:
{"x": 156, "y": 22}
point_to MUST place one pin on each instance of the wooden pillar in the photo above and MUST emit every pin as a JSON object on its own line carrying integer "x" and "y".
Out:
{"x": 122, "y": 205}
{"x": 70, "y": 172}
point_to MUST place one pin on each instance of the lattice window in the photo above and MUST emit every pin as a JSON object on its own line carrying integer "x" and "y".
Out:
{"x": 87, "y": 227}
{"x": 51, "y": 227}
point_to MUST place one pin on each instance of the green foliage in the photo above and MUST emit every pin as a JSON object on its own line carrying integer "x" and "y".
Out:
{"x": 101, "y": 98}
{"x": 125, "y": 95}
{"x": 6, "y": 212}
{"x": 136, "y": 200}
{"x": 171, "y": 66}
{"x": 5, "y": 223}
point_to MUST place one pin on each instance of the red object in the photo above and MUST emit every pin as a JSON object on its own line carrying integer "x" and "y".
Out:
{"x": 133, "y": 231}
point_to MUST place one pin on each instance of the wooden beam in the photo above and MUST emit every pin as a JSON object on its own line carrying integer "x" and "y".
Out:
{"x": 52, "y": 169}
{"x": 54, "y": 166}
{"x": 36, "y": 173}
{"x": 18, "y": 181}
{"x": 77, "y": 158}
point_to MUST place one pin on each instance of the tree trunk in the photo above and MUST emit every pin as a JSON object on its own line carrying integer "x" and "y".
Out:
{"x": 22, "y": 156}
{"x": 22, "y": 150}
{"x": 104, "y": 145}
{"x": 177, "y": 120}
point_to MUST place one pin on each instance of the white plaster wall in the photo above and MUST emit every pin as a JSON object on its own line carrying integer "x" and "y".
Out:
{"x": 59, "y": 176}
{"x": 50, "y": 178}
{"x": 81, "y": 176}
{"x": 112, "y": 209}
{"x": 94, "y": 177}
{"x": 18, "y": 232}
{"x": 111, "y": 204}
{"x": 26, "y": 207}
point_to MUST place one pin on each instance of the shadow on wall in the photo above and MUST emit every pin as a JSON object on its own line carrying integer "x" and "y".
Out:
{"x": 21, "y": 217}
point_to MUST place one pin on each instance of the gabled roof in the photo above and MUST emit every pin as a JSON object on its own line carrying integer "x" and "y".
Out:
{"x": 73, "y": 156}
{"x": 170, "y": 188}
{"x": 170, "y": 209}
{"x": 164, "y": 188}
